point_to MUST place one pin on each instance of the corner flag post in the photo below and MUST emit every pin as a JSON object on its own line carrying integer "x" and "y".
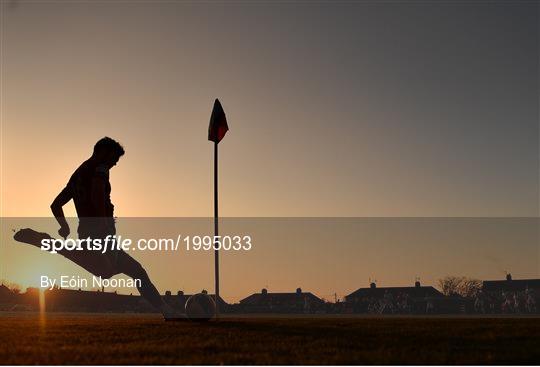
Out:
{"x": 216, "y": 251}
{"x": 216, "y": 131}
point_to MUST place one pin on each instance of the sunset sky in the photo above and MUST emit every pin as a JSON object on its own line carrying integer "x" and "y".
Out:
{"x": 335, "y": 109}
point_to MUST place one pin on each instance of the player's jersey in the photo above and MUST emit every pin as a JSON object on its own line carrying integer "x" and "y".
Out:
{"x": 80, "y": 186}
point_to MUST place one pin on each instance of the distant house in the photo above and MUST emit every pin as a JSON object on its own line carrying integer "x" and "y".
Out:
{"x": 418, "y": 291}
{"x": 416, "y": 299}
{"x": 5, "y": 293}
{"x": 510, "y": 285}
{"x": 6, "y": 298}
{"x": 294, "y": 302}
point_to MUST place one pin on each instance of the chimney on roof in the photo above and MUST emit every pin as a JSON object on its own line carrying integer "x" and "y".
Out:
{"x": 417, "y": 284}
{"x": 509, "y": 277}
{"x": 180, "y": 293}
{"x": 264, "y": 291}
{"x": 298, "y": 290}
{"x": 372, "y": 285}
{"x": 168, "y": 293}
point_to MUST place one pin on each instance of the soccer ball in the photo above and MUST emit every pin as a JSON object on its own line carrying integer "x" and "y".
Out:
{"x": 200, "y": 307}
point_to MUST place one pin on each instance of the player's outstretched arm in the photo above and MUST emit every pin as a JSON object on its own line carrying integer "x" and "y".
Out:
{"x": 63, "y": 197}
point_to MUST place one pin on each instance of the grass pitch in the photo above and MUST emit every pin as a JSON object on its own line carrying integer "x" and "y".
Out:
{"x": 145, "y": 339}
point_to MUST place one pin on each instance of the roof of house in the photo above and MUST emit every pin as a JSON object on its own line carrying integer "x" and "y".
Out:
{"x": 416, "y": 291}
{"x": 510, "y": 284}
{"x": 279, "y": 298}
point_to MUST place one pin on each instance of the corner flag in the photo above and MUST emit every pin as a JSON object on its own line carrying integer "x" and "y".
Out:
{"x": 218, "y": 123}
{"x": 216, "y": 131}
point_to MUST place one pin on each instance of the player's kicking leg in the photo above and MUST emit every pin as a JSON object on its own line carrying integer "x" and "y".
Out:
{"x": 132, "y": 268}
{"x": 106, "y": 266}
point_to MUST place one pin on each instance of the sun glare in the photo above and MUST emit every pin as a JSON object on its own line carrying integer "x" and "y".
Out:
{"x": 42, "y": 307}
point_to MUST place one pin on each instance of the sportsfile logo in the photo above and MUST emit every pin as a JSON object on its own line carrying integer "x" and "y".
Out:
{"x": 120, "y": 243}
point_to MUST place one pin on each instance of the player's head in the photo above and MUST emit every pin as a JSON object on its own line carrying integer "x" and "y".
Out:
{"x": 108, "y": 151}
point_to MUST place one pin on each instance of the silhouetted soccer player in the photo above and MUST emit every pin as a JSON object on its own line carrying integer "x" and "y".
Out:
{"x": 90, "y": 189}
